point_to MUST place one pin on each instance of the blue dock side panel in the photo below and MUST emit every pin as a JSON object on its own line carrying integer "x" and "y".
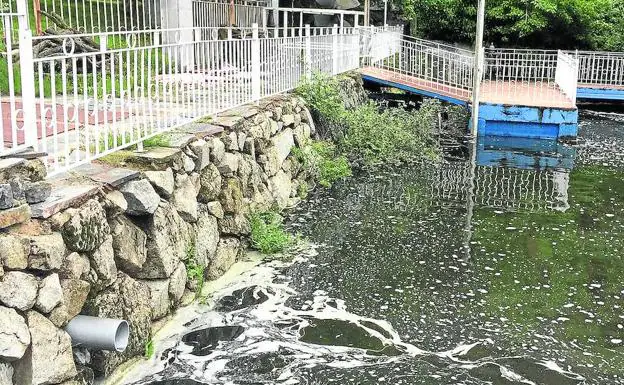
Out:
{"x": 527, "y": 122}
{"x": 601, "y": 94}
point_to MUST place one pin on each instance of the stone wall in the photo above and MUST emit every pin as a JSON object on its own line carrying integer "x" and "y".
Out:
{"x": 115, "y": 241}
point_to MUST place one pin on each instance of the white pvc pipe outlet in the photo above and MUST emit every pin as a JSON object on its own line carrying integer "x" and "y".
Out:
{"x": 99, "y": 333}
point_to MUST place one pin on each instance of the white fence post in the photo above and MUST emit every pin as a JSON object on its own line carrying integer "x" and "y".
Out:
{"x": 335, "y": 50}
{"x": 255, "y": 64}
{"x": 27, "y": 76}
{"x": 308, "y": 53}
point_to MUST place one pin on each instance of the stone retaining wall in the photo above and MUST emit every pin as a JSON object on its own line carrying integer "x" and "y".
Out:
{"x": 115, "y": 241}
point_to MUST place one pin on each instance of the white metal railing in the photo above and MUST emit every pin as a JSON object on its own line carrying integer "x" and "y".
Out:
{"x": 429, "y": 65}
{"x": 600, "y": 69}
{"x": 566, "y": 75}
{"x": 91, "y": 103}
{"x": 15, "y": 50}
{"x": 523, "y": 77}
{"x": 217, "y": 13}
{"x": 290, "y": 16}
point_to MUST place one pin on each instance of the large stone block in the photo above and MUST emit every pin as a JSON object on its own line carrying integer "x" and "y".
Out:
{"x": 75, "y": 266}
{"x": 234, "y": 225}
{"x": 159, "y": 297}
{"x": 37, "y": 192}
{"x": 229, "y": 164}
{"x": 201, "y": 149}
{"x": 185, "y": 198}
{"x": 163, "y": 181}
{"x": 49, "y": 359}
{"x": 18, "y": 290}
{"x": 228, "y": 251}
{"x": 126, "y": 299}
{"x": 210, "y": 181}
{"x": 87, "y": 228}
{"x": 206, "y": 244}
{"x": 277, "y": 153}
{"x": 6, "y": 196}
{"x": 217, "y": 149}
{"x": 231, "y": 196}
{"x": 13, "y": 252}
{"x": 177, "y": 283}
{"x": 6, "y": 373}
{"x": 50, "y": 293}
{"x": 280, "y": 187}
{"x": 14, "y": 335}
{"x": 46, "y": 252}
{"x": 75, "y": 292}
{"x": 103, "y": 265}
{"x": 141, "y": 196}
{"x": 168, "y": 239}
{"x": 129, "y": 245}
{"x": 14, "y": 216}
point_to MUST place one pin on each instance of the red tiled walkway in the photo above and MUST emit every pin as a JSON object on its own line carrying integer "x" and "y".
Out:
{"x": 79, "y": 115}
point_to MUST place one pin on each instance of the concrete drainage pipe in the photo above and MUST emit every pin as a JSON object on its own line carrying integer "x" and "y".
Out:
{"x": 99, "y": 333}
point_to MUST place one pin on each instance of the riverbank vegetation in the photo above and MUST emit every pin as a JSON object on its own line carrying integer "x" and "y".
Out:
{"x": 367, "y": 135}
{"x": 557, "y": 24}
{"x": 267, "y": 233}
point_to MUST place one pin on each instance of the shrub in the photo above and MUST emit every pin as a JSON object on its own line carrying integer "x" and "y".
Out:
{"x": 194, "y": 271}
{"x": 375, "y": 136}
{"x": 330, "y": 166}
{"x": 367, "y": 134}
{"x": 267, "y": 233}
{"x": 323, "y": 161}
{"x": 322, "y": 93}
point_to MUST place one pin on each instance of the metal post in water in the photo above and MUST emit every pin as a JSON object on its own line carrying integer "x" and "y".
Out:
{"x": 478, "y": 67}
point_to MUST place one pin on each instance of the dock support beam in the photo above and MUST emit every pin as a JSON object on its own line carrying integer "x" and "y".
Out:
{"x": 478, "y": 68}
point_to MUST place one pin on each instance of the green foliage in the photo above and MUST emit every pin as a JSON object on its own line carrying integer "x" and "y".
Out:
{"x": 394, "y": 134}
{"x": 323, "y": 161}
{"x": 571, "y": 24}
{"x": 329, "y": 165}
{"x": 149, "y": 349}
{"x": 156, "y": 141}
{"x": 369, "y": 135}
{"x": 194, "y": 271}
{"x": 303, "y": 190}
{"x": 267, "y": 233}
{"x": 322, "y": 93}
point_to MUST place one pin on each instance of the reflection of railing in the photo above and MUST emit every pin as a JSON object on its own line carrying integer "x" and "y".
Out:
{"x": 450, "y": 183}
{"x": 530, "y": 190}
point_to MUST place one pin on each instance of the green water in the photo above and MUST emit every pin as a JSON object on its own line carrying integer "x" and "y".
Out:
{"x": 527, "y": 262}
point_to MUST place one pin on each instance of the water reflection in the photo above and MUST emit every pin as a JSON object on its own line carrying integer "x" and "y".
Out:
{"x": 501, "y": 268}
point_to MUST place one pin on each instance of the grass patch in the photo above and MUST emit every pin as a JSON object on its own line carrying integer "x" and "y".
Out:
{"x": 267, "y": 233}
{"x": 117, "y": 158}
{"x": 149, "y": 349}
{"x": 156, "y": 141}
{"x": 194, "y": 271}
